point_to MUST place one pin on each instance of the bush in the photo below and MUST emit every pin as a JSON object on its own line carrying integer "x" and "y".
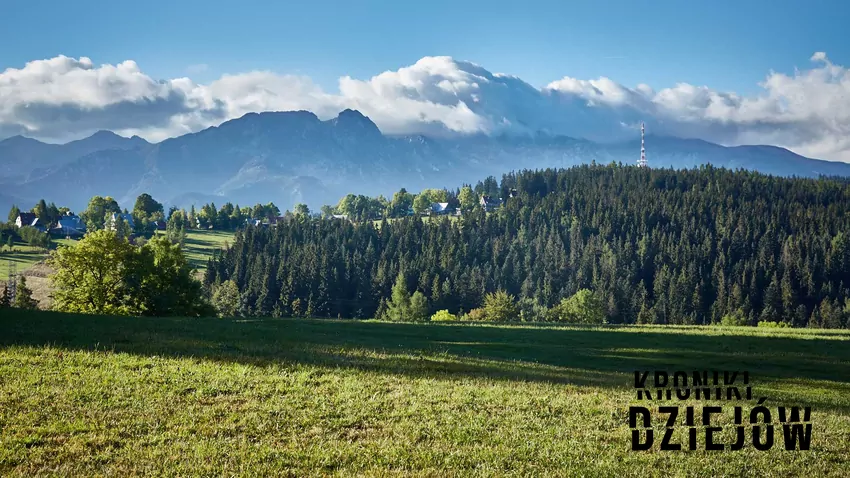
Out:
{"x": 34, "y": 237}
{"x": 733, "y": 320}
{"x": 475, "y": 315}
{"x": 225, "y": 298}
{"x": 771, "y": 324}
{"x": 584, "y": 307}
{"x": 500, "y": 307}
{"x": 443, "y": 316}
{"x": 531, "y": 311}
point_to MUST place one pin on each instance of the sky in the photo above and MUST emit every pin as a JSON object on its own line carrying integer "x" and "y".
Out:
{"x": 723, "y": 50}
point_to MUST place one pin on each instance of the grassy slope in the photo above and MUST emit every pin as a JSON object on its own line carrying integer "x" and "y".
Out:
{"x": 199, "y": 245}
{"x": 24, "y": 257}
{"x": 103, "y": 395}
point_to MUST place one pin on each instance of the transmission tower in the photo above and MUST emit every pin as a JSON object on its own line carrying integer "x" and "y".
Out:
{"x": 642, "y": 161}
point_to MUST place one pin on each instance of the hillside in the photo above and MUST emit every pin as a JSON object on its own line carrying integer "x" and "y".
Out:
{"x": 30, "y": 262}
{"x": 85, "y": 395}
{"x": 654, "y": 245}
{"x": 291, "y": 157}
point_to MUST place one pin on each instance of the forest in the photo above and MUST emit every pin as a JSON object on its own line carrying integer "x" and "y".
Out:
{"x": 651, "y": 246}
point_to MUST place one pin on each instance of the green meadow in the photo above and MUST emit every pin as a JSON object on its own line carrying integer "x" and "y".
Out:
{"x": 98, "y": 396}
{"x": 23, "y": 257}
{"x": 199, "y": 247}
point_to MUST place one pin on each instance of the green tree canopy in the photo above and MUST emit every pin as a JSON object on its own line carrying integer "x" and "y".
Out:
{"x": 146, "y": 210}
{"x": 105, "y": 274}
{"x": 225, "y": 299}
{"x": 97, "y": 210}
{"x": 583, "y": 307}
{"x": 500, "y": 306}
{"x": 301, "y": 209}
{"x": 14, "y": 212}
{"x": 421, "y": 204}
{"x": 467, "y": 198}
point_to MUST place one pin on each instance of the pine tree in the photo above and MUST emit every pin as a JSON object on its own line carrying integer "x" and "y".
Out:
{"x": 418, "y": 307}
{"x": 14, "y": 212}
{"x": 5, "y": 301}
{"x": 398, "y": 307}
{"x": 23, "y": 296}
{"x": 660, "y": 246}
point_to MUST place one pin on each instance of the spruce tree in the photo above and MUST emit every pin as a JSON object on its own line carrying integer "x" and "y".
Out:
{"x": 5, "y": 301}
{"x": 14, "y": 212}
{"x": 23, "y": 296}
{"x": 418, "y": 307}
{"x": 398, "y": 307}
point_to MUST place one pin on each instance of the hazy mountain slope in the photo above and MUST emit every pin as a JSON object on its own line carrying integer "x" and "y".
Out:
{"x": 26, "y": 159}
{"x": 105, "y": 173}
{"x": 290, "y": 157}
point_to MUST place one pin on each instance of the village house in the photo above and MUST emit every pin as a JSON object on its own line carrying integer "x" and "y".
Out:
{"x": 26, "y": 219}
{"x": 128, "y": 218}
{"x": 69, "y": 225}
{"x": 489, "y": 203}
{"x": 440, "y": 208}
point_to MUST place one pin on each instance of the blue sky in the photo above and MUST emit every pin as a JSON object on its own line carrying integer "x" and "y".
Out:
{"x": 160, "y": 69}
{"x": 730, "y": 46}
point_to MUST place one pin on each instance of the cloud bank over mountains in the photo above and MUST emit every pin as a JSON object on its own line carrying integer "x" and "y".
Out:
{"x": 64, "y": 98}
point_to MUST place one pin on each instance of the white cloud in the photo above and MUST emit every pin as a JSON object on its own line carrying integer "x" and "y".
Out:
{"x": 63, "y": 98}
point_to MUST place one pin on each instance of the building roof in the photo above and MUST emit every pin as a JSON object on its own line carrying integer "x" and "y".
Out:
{"x": 27, "y": 218}
{"x": 71, "y": 221}
{"x": 128, "y": 218}
{"x": 439, "y": 206}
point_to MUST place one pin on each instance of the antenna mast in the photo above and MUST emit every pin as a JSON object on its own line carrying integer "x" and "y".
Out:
{"x": 642, "y": 161}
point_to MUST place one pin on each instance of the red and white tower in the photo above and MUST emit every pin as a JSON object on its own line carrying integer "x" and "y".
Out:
{"x": 642, "y": 161}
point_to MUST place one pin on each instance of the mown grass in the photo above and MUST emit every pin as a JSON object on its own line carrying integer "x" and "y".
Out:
{"x": 200, "y": 245}
{"x": 88, "y": 395}
{"x": 22, "y": 257}
{"x": 25, "y": 256}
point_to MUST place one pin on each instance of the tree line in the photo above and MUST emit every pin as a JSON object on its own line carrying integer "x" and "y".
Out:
{"x": 403, "y": 203}
{"x": 627, "y": 244}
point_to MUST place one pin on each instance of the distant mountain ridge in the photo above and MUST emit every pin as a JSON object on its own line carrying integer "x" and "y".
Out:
{"x": 290, "y": 157}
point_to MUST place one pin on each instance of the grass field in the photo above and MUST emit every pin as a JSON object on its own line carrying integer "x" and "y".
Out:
{"x": 88, "y": 395}
{"x": 23, "y": 257}
{"x": 200, "y": 245}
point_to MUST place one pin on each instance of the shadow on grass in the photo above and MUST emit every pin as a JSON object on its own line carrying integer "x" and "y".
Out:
{"x": 600, "y": 357}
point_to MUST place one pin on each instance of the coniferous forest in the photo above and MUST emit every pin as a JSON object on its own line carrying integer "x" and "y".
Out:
{"x": 659, "y": 246}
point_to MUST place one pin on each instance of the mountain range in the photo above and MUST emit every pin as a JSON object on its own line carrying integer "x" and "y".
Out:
{"x": 291, "y": 157}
